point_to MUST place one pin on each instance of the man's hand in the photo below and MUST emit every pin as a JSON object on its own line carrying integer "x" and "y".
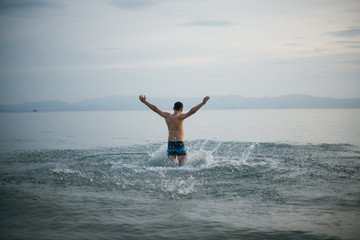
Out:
{"x": 142, "y": 98}
{"x": 206, "y": 99}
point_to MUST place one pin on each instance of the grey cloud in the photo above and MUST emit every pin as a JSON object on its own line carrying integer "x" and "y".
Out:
{"x": 346, "y": 42}
{"x": 133, "y": 4}
{"x": 355, "y": 32}
{"x": 6, "y": 5}
{"x": 352, "y": 62}
{"x": 349, "y": 44}
{"x": 207, "y": 23}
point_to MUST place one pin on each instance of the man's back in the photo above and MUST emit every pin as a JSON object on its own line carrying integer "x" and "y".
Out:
{"x": 175, "y": 124}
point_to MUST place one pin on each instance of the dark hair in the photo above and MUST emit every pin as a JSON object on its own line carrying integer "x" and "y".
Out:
{"x": 178, "y": 106}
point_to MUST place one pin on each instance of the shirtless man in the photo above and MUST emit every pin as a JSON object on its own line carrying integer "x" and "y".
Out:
{"x": 175, "y": 124}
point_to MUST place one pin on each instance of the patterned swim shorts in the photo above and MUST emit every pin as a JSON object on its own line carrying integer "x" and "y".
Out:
{"x": 176, "y": 148}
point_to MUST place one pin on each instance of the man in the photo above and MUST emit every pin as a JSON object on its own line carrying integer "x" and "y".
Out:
{"x": 175, "y": 124}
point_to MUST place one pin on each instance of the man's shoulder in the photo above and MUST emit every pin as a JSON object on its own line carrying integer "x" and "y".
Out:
{"x": 165, "y": 114}
{"x": 182, "y": 116}
{"x": 173, "y": 117}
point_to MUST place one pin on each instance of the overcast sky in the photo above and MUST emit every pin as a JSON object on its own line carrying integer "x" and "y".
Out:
{"x": 72, "y": 50}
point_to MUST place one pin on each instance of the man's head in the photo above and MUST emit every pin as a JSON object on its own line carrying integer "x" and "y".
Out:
{"x": 178, "y": 106}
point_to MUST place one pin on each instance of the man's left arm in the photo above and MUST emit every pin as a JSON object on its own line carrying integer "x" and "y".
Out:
{"x": 196, "y": 108}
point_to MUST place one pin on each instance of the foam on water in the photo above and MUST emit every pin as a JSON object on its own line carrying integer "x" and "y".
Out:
{"x": 180, "y": 186}
{"x": 200, "y": 157}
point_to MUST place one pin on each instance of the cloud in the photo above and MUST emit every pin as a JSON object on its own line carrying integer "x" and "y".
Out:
{"x": 352, "y": 62}
{"x": 349, "y": 44}
{"x": 133, "y": 4}
{"x": 207, "y": 23}
{"x": 354, "y": 32}
{"x": 191, "y": 61}
{"x": 6, "y": 5}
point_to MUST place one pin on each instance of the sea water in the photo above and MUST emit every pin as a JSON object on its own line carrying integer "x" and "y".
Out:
{"x": 250, "y": 174}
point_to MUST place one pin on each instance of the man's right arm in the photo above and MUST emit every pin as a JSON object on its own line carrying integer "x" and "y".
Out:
{"x": 152, "y": 107}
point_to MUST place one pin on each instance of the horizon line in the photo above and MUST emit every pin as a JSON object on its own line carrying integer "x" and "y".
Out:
{"x": 186, "y": 97}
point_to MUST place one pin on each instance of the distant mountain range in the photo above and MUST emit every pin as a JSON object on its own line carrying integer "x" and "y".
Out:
{"x": 166, "y": 103}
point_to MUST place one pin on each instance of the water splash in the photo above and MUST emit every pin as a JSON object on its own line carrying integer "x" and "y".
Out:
{"x": 247, "y": 153}
{"x": 200, "y": 158}
{"x": 180, "y": 186}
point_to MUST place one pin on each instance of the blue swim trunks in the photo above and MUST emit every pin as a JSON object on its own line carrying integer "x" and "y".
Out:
{"x": 176, "y": 148}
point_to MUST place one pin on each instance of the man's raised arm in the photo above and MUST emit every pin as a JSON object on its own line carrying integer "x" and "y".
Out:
{"x": 151, "y": 106}
{"x": 196, "y": 108}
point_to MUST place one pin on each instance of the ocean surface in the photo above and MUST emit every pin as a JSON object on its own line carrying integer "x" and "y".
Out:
{"x": 250, "y": 174}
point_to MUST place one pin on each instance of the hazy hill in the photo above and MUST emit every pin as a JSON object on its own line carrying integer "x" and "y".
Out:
{"x": 166, "y": 103}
